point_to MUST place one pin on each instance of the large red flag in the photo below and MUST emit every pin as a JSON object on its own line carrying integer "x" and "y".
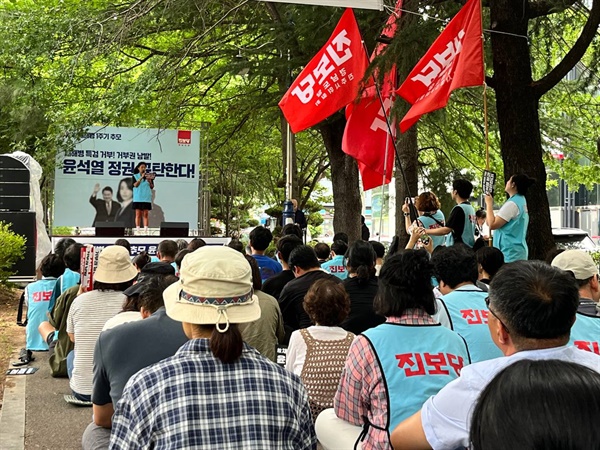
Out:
{"x": 330, "y": 80}
{"x": 453, "y": 61}
{"x": 366, "y": 137}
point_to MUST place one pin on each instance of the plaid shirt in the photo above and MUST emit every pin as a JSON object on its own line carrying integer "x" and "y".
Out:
{"x": 192, "y": 400}
{"x": 361, "y": 392}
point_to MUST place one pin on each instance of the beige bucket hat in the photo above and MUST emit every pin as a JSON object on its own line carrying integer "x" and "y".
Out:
{"x": 114, "y": 266}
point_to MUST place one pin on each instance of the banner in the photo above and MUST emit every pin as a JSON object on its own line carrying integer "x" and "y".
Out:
{"x": 366, "y": 136}
{"x": 453, "y": 61}
{"x": 358, "y": 4}
{"x": 330, "y": 80}
{"x": 94, "y": 182}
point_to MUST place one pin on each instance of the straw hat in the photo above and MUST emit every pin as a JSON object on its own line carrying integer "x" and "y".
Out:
{"x": 114, "y": 266}
{"x": 215, "y": 288}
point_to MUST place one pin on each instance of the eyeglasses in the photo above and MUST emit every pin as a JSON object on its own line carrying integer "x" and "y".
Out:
{"x": 487, "y": 303}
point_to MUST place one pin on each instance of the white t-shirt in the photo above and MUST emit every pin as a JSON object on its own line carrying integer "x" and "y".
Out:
{"x": 296, "y": 353}
{"x": 88, "y": 314}
{"x": 121, "y": 318}
{"x": 508, "y": 211}
{"x": 446, "y": 417}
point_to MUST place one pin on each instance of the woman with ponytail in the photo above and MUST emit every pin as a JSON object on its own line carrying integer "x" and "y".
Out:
{"x": 216, "y": 391}
{"x": 361, "y": 286}
{"x": 511, "y": 222}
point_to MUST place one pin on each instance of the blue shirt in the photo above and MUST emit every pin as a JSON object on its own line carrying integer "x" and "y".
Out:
{"x": 510, "y": 237}
{"x": 193, "y": 400}
{"x": 142, "y": 193}
{"x": 335, "y": 266}
{"x": 431, "y": 222}
{"x": 468, "y": 316}
{"x": 417, "y": 361}
{"x": 585, "y": 333}
{"x": 38, "y": 296}
{"x": 268, "y": 266}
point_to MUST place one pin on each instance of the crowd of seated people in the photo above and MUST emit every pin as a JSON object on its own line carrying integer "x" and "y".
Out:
{"x": 422, "y": 348}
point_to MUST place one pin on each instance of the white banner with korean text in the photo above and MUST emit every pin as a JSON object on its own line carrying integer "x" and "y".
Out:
{"x": 94, "y": 181}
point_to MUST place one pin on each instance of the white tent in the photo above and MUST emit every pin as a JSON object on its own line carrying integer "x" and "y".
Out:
{"x": 43, "y": 245}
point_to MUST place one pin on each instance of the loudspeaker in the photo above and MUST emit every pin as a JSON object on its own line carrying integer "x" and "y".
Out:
{"x": 174, "y": 229}
{"x": 110, "y": 229}
{"x": 14, "y": 184}
{"x": 23, "y": 223}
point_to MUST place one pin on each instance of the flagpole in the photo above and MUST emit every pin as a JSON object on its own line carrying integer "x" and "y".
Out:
{"x": 413, "y": 215}
{"x": 485, "y": 112}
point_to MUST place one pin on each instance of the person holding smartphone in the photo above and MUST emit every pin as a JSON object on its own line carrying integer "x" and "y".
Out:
{"x": 143, "y": 184}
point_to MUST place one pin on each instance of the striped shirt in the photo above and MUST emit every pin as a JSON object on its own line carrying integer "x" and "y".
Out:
{"x": 88, "y": 314}
{"x": 194, "y": 401}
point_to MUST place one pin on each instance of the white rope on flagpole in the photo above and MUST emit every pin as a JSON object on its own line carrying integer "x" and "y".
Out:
{"x": 446, "y": 21}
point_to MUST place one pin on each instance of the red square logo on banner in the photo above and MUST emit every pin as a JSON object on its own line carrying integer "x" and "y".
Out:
{"x": 184, "y": 137}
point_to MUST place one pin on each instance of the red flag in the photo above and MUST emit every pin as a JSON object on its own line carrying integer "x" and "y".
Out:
{"x": 453, "y": 61}
{"x": 330, "y": 80}
{"x": 366, "y": 137}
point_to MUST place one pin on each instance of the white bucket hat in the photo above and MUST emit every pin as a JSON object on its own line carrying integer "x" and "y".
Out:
{"x": 214, "y": 288}
{"x": 114, "y": 266}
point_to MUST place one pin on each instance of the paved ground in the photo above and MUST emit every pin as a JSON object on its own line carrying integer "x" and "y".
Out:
{"x": 37, "y": 401}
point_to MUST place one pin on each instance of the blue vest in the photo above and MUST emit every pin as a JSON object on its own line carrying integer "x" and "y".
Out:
{"x": 468, "y": 232}
{"x": 142, "y": 193}
{"x": 468, "y": 317}
{"x": 585, "y": 333}
{"x": 417, "y": 361}
{"x": 510, "y": 238}
{"x": 429, "y": 223}
{"x": 67, "y": 280}
{"x": 336, "y": 267}
{"x": 38, "y": 302}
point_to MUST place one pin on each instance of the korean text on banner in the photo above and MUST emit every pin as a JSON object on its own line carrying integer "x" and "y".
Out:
{"x": 94, "y": 180}
{"x": 89, "y": 261}
{"x": 330, "y": 80}
{"x": 366, "y": 136}
{"x": 453, "y": 61}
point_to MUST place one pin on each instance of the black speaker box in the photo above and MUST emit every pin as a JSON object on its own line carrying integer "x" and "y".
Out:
{"x": 23, "y": 223}
{"x": 174, "y": 229}
{"x": 14, "y": 184}
{"x": 110, "y": 229}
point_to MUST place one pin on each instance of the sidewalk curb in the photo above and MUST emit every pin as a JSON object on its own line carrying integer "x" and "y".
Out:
{"x": 12, "y": 415}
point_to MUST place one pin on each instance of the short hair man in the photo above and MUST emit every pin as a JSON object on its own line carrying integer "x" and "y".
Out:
{"x": 323, "y": 252}
{"x": 460, "y": 226}
{"x": 532, "y": 308}
{"x": 303, "y": 262}
{"x": 166, "y": 252}
{"x": 124, "y": 350}
{"x": 380, "y": 253}
{"x": 463, "y": 303}
{"x": 260, "y": 238}
{"x": 336, "y": 265}
{"x": 274, "y": 285}
{"x": 585, "y": 333}
{"x": 106, "y": 208}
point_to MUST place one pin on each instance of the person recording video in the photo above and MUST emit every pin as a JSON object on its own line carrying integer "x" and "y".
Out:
{"x": 142, "y": 194}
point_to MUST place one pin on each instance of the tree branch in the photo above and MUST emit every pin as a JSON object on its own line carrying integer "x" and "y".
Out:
{"x": 546, "y": 7}
{"x": 574, "y": 55}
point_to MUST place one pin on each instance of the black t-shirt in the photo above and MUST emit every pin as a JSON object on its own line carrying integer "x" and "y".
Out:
{"x": 456, "y": 221}
{"x": 362, "y": 316}
{"x": 274, "y": 285}
{"x": 292, "y": 297}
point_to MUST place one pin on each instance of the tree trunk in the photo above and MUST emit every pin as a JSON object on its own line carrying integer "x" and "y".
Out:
{"x": 518, "y": 119}
{"x": 284, "y": 144}
{"x": 408, "y": 149}
{"x": 344, "y": 178}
